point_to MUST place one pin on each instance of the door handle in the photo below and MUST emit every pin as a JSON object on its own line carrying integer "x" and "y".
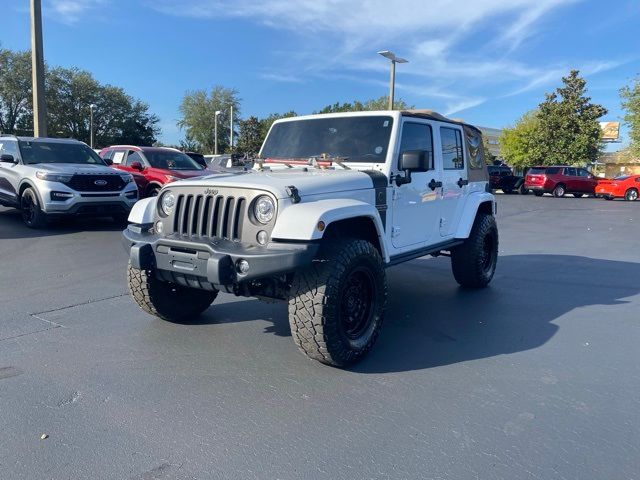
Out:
{"x": 461, "y": 183}
{"x": 433, "y": 184}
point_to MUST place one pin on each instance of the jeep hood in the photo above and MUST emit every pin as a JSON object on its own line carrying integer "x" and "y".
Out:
{"x": 311, "y": 182}
{"x": 76, "y": 168}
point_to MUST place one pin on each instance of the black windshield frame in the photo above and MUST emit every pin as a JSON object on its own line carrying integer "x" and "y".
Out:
{"x": 363, "y": 139}
{"x": 35, "y": 152}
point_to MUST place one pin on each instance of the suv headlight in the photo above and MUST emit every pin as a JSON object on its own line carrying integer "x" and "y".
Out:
{"x": 167, "y": 203}
{"x": 54, "y": 177}
{"x": 264, "y": 209}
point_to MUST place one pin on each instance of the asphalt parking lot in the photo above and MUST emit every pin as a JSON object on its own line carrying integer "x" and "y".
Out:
{"x": 536, "y": 377}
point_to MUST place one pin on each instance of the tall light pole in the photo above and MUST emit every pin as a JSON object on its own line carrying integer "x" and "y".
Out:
{"x": 231, "y": 125}
{"x": 215, "y": 132}
{"x": 392, "y": 80}
{"x": 37, "y": 69}
{"x": 91, "y": 107}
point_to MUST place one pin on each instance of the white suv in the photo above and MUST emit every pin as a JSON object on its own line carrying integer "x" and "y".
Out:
{"x": 46, "y": 177}
{"x": 332, "y": 201}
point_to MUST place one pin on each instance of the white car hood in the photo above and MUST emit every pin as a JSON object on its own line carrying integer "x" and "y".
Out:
{"x": 311, "y": 182}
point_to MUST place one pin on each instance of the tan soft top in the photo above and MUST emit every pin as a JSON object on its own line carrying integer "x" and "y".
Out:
{"x": 433, "y": 115}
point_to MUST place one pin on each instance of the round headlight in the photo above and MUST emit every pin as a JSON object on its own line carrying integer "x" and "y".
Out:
{"x": 167, "y": 202}
{"x": 264, "y": 209}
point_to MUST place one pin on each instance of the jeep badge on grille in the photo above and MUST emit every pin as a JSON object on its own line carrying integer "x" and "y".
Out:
{"x": 211, "y": 191}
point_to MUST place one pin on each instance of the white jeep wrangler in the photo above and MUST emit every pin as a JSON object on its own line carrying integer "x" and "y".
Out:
{"x": 331, "y": 202}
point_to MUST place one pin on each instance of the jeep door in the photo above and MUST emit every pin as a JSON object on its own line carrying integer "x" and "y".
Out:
{"x": 9, "y": 172}
{"x": 450, "y": 152}
{"x": 416, "y": 209}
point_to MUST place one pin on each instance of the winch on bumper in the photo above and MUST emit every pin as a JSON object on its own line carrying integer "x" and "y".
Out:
{"x": 204, "y": 263}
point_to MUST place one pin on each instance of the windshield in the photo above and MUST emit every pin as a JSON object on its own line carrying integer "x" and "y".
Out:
{"x": 169, "y": 160}
{"x": 54, "y": 152}
{"x": 353, "y": 139}
{"x": 621, "y": 177}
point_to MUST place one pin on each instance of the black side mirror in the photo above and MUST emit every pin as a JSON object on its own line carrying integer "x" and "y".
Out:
{"x": 137, "y": 166}
{"x": 108, "y": 161}
{"x": 7, "y": 158}
{"x": 413, "y": 161}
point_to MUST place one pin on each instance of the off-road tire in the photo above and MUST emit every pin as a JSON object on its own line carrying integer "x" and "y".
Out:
{"x": 165, "y": 300}
{"x": 559, "y": 191}
{"x": 474, "y": 262}
{"x": 631, "y": 195}
{"x": 321, "y": 295}
{"x": 31, "y": 210}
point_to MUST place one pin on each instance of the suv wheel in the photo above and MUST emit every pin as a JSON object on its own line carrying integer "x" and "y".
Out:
{"x": 522, "y": 190}
{"x": 32, "y": 214}
{"x": 336, "y": 307}
{"x": 474, "y": 262}
{"x": 168, "y": 301}
{"x": 631, "y": 195}
{"x": 559, "y": 191}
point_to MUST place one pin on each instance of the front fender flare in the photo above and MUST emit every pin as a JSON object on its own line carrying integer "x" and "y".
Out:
{"x": 471, "y": 206}
{"x": 143, "y": 211}
{"x": 300, "y": 221}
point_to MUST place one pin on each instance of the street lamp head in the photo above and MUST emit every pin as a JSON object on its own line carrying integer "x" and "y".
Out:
{"x": 92, "y": 106}
{"x": 392, "y": 56}
{"x": 218, "y": 112}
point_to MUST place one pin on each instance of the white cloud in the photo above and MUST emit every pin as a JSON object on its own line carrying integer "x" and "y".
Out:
{"x": 71, "y": 11}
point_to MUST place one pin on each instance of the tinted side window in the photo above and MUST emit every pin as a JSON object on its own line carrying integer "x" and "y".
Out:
{"x": 552, "y": 171}
{"x": 9, "y": 148}
{"x": 108, "y": 154}
{"x": 582, "y": 173}
{"x": 452, "y": 158}
{"x": 133, "y": 157}
{"x": 570, "y": 172}
{"x": 416, "y": 136}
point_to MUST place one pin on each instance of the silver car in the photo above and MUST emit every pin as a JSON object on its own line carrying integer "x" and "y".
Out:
{"x": 47, "y": 177}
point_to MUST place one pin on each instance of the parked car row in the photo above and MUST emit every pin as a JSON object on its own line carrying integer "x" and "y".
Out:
{"x": 561, "y": 180}
{"x": 50, "y": 177}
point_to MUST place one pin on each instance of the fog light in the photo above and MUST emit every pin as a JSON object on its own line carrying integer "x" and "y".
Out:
{"x": 262, "y": 237}
{"x": 243, "y": 267}
{"x": 159, "y": 227}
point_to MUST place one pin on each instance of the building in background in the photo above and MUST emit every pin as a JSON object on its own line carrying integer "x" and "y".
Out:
{"x": 619, "y": 163}
{"x": 492, "y": 135}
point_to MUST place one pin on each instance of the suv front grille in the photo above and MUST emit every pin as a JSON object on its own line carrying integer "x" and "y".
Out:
{"x": 210, "y": 216}
{"x": 96, "y": 183}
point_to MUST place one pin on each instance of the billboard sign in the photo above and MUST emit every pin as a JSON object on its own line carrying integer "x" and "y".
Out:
{"x": 610, "y": 131}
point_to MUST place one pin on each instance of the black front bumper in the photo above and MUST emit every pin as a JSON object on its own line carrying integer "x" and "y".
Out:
{"x": 199, "y": 261}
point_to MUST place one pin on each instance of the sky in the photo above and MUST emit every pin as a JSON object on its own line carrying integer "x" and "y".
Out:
{"x": 485, "y": 61}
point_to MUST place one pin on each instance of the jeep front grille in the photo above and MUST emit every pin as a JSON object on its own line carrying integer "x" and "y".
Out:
{"x": 211, "y": 216}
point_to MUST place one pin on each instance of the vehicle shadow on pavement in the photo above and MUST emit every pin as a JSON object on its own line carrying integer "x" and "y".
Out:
{"x": 12, "y": 226}
{"x": 430, "y": 322}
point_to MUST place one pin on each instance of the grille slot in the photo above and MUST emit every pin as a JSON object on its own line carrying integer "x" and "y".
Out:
{"x": 210, "y": 216}
{"x": 87, "y": 183}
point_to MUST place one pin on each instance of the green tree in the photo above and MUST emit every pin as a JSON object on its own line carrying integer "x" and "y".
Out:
{"x": 117, "y": 118}
{"x": 15, "y": 89}
{"x": 381, "y": 103}
{"x": 518, "y": 143}
{"x": 630, "y": 96}
{"x": 198, "y": 116}
{"x": 265, "y": 123}
{"x": 568, "y": 131}
{"x": 249, "y": 136}
{"x": 489, "y": 157}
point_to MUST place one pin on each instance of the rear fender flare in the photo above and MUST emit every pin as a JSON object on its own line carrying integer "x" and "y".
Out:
{"x": 471, "y": 207}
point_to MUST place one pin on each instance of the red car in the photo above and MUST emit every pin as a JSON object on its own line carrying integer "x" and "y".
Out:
{"x": 623, "y": 186}
{"x": 158, "y": 165}
{"x": 559, "y": 180}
